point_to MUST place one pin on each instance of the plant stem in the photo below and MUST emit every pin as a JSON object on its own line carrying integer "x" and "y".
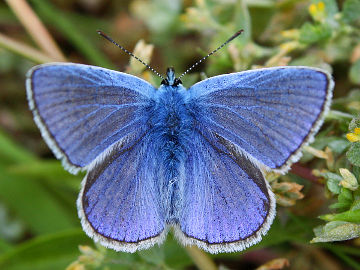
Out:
{"x": 200, "y": 258}
{"x": 58, "y": 19}
{"x": 339, "y": 115}
{"x": 36, "y": 29}
{"x": 24, "y": 50}
{"x": 305, "y": 173}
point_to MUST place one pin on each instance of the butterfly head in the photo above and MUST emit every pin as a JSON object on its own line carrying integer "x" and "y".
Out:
{"x": 170, "y": 78}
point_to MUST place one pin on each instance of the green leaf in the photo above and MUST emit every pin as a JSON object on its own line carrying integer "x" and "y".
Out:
{"x": 345, "y": 195}
{"x": 339, "y": 205}
{"x": 356, "y": 171}
{"x": 177, "y": 258}
{"x": 322, "y": 140}
{"x": 339, "y": 146}
{"x": 336, "y": 231}
{"x": 50, "y": 171}
{"x": 349, "y": 180}
{"x": 345, "y": 200}
{"x": 353, "y": 155}
{"x": 4, "y": 246}
{"x": 35, "y": 205}
{"x": 351, "y": 11}
{"x": 354, "y": 72}
{"x": 11, "y": 152}
{"x": 333, "y": 182}
{"x": 350, "y": 216}
{"x": 153, "y": 255}
{"x": 355, "y": 205}
{"x": 55, "y": 251}
{"x": 310, "y": 33}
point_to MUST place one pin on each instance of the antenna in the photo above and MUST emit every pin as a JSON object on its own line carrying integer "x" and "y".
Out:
{"x": 238, "y": 33}
{"x": 101, "y": 33}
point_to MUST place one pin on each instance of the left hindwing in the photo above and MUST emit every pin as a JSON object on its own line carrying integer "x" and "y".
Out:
{"x": 120, "y": 203}
{"x": 267, "y": 113}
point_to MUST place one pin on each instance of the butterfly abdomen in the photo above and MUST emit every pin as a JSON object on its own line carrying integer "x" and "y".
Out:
{"x": 171, "y": 126}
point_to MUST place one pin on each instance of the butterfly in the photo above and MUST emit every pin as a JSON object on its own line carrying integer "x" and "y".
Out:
{"x": 170, "y": 157}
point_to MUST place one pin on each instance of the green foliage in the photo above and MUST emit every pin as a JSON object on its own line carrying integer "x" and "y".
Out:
{"x": 345, "y": 224}
{"x": 161, "y": 16}
{"x": 336, "y": 231}
{"x": 354, "y": 72}
{"x": 333, "y": 182}
{"x": 310, "y": 33}
{"x": 351, "y": 11}
{"x": 39, "y": 227}
{"x": 68, "y": 28}
{"x": 354, "y": 154}
{"x": 50, "y": 251}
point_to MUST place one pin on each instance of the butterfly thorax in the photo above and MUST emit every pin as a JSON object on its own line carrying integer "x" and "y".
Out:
{"x": 171, "y": 125}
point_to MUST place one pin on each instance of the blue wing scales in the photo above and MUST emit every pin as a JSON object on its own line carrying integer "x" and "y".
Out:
{"x": 267, "y": 113}
{"x": 227, "y": 205}
{"x": 82, "y": 110}
{"x": 120, "y": 204}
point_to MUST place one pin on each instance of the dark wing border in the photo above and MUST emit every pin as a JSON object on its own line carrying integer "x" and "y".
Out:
{"x": 239, "y": 245}
{"x": 46, "y": 134}
{"x": 108, "y": 242}
{"x": 297, "y": 154}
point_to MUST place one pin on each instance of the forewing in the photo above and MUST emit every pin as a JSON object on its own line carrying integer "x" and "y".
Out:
{"x": 227, "y": 204}
{"x": 120, "y": 201}
{"x": 267, "y": 113}
{"x": 82, "y": 110}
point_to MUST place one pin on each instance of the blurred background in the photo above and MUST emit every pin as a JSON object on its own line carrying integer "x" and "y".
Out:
{"x": 318, "y": 202}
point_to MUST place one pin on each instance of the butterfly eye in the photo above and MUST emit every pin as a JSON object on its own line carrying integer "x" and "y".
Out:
{"x": 165, "y": 82}
{"x": 177, "y": 82}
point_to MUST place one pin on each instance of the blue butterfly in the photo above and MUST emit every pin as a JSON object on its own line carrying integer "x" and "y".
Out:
{"x": 187, "y": 159}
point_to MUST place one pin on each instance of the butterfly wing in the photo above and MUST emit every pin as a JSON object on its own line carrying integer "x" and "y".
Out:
{"x": 120, "y": 202}
{"x": 82, "y": 110}
{"x": 267, "y": 113}
{"x": 227, "y": 205}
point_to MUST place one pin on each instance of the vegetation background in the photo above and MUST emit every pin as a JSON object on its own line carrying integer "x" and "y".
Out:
{"x": 39, "y": 227}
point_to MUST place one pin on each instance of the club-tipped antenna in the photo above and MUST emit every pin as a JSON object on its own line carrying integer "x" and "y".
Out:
{"x": 101, "y": 33}
{"x": 238, "y": 33}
